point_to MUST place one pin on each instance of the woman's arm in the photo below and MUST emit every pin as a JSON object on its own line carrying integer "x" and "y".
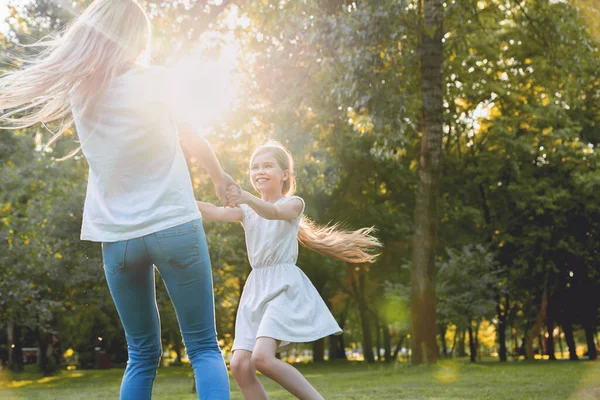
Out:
{"x": 214, "y": 213}
{"x": 205, "y": 155}
{"x": 286, "y": 211}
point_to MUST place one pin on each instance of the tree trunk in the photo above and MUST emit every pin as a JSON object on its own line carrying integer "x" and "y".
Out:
{"x": 43, "y": 347}
{"x": 528, "y": 346}
{"x": 58, "y": 352}
{"x": 515, "y": 343}
{"x": 442, "y": 329}
{"x": 454, "y": 341}
{"x": 476, "y": 339}
{"x": 358, "y": 285}
{"x": 398, "y": 347}
{"x": 560, "y": 343}
{"x": 424, "y": 343}
{"x": 523, "y": 349}
{"x": 177, "y": 344}
{"x": 501, "y": 312}
{"x": 541, "y": 344}
{"x": 10, "y": 340}
{"x": 378, "y": 337}
{"x": 319, "y": 350}
{"x": 472, "y": 347}
{"x": 332, "y": 347}
{"x": 341, "y": 348}
{"x": 337, "y": 349}
{"x": 387, "y": 344}
{"x": 591, "y": 345}
{"x": 537, "y": 325}
{"x": 550, "y": 340}
{"x": 460, "y": 351}
{"x": 568, "y": 329}
{"x": 15, "y": 354}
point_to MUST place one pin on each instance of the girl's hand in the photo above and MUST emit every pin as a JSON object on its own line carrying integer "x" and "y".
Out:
{"x": 236, "y": 195}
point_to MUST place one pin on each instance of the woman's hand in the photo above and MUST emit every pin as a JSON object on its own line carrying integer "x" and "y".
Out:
{"x": 222, "y": 184}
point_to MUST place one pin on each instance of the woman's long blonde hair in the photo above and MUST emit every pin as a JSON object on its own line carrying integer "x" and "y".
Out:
{"x": 73, "y": 69}
{"x": 332, "y": 241}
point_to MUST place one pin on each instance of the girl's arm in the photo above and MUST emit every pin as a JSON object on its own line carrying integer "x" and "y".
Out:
{"x": 286, "y": 211}
{"x": 214, "y": 213}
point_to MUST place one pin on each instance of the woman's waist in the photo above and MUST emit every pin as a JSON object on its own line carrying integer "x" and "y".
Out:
{"x": 113, "y": 231}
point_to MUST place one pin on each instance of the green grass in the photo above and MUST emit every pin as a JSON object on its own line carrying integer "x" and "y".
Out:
{"x": 449, "y": 380}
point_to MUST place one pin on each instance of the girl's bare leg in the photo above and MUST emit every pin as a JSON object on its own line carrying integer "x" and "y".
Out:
{"x": 244, "y": 373}
{"x": 263, "y": 358}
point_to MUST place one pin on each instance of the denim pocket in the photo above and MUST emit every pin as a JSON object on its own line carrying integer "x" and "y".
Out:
{"x": 180, "y": 244}
{"x": 113, "y": 254}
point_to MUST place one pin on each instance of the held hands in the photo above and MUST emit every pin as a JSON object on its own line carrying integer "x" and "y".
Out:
{"x": 236, "y": 195}
{"x": 222, "y": 184}
{"x": 229, "y": 192}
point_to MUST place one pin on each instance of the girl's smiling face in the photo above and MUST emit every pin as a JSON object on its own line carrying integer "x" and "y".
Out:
{"x": 266, "y": 174}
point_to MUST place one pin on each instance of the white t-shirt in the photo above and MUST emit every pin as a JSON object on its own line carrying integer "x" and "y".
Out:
{"x": 138, "y": 180}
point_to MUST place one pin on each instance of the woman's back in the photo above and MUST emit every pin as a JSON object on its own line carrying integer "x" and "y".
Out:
{"x": 138, "y": 178}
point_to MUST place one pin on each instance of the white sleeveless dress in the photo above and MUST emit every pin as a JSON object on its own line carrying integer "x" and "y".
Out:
{"x": 278, "y": 300}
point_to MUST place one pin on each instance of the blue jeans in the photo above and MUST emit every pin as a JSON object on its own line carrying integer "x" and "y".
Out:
{"x": 181, "y": 256}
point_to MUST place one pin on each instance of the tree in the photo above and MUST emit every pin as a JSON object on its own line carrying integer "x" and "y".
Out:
{"x": 424, "y": 345}
{"x": 466, "y": 283}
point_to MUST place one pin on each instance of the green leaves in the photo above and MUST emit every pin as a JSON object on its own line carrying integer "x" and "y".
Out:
{"x": 339, "y": 84}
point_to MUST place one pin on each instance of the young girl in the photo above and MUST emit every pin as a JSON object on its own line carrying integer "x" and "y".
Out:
{"x": 279, "y": 304}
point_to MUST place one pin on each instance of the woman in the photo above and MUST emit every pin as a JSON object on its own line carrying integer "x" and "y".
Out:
{"x": 140, "y": 203}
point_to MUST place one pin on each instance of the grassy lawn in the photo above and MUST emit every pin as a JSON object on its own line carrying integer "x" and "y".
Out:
{"x": 450, "y": 380}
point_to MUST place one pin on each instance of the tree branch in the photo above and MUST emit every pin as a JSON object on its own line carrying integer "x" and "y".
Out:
{"x": 203, "y": 15}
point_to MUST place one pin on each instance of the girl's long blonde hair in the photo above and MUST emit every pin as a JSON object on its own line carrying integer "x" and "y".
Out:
{"x": 332, "y": 241}
{"x": 73, "y": 69}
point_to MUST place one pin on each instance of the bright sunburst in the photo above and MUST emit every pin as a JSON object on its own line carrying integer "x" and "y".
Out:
{"x": 204, "y": 89}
